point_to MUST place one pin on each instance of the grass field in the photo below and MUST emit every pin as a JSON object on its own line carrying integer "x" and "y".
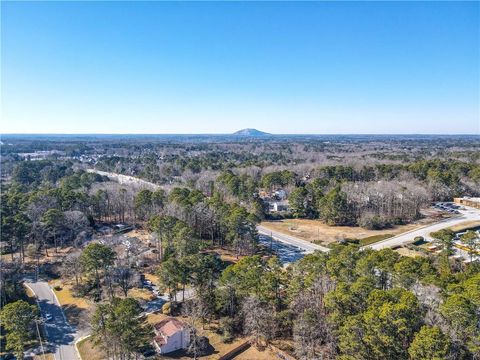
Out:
{"x": 374, "y": 238}
{"x": 410, "y": 253}
{"x": 88, "y": 352}
{"x": 321, "y": 233}
{"x": 466, "y": 225}
{"x": 141, "y": 294}
{"x": 151, "y": 277}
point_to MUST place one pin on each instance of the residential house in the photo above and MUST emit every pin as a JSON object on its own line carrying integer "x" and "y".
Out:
{"x": 171, "y": 335}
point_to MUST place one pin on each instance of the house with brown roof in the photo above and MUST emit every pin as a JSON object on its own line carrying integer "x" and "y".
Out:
{"x": 170, "y": 335}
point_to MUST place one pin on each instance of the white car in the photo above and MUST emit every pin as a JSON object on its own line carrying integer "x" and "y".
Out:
{"x": 48, "y": 317}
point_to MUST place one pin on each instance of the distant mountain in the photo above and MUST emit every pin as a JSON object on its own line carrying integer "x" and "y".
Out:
{"x": 250, "y": 132}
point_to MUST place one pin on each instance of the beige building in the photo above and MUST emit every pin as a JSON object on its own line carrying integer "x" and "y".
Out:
{"x": 468, "y": 201}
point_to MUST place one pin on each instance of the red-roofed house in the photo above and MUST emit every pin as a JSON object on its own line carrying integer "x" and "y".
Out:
{"x": 170, "y": 335}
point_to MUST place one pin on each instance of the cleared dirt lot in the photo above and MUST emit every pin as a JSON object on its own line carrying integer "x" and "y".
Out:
{"x": 319, "y": 232}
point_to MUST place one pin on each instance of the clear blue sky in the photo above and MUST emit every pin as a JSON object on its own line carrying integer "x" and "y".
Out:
{"x": 281, "y": 67}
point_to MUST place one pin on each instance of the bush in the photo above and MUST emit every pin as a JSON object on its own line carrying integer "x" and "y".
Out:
{"x": 418, "y": 240}
{"x": 226, "y": 328}
{"x": 57, "y": 288}
{"x": 203, "y": 346}
{"x": 167, "y": 308}
{"x": 81, "y": 290}
{"x": 372, "y": 222}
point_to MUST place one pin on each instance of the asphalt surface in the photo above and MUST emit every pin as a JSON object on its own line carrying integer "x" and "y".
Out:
{"x": 468, "y": 214}
{"x": 304, "y": 245}
{"x": 60, "y": 335}
{"x": 286, "y": 253}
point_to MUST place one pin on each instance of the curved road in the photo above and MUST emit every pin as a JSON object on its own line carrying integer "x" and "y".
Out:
{"x": 60, "y": 334}
{"x": 468, "y": 214}
{"x": 291, "y": 240}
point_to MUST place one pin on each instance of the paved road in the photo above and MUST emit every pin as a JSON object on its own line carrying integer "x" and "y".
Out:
{"x": 465, "y": 215}
{"x": 468, "y": 214}
{"x": 286, "y": 253}
{"x": 307, "y": 246}
{"x": 60, "y": 335}
{"x": 125, "y": 179}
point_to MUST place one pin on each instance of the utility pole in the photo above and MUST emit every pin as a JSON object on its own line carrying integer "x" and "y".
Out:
{"x": 40, "y": 339}
{"x": 271, "y": 243}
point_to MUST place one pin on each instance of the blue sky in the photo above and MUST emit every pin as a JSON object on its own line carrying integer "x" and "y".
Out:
{"x": 211, "y": 67}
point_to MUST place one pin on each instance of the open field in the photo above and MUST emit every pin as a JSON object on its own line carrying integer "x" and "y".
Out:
{"x": 466, "y": 225}
{"x": 410, "y": 253}
{"x": 321, "y": 233}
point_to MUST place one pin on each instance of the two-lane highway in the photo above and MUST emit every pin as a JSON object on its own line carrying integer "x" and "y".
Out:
{"x": 60, "y": 334}
{"x": 467, "y": 214}
{"x": 308, "y": 246}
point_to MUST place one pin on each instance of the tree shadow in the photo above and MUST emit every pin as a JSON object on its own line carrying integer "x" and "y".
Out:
{"x": 57, "y": 330}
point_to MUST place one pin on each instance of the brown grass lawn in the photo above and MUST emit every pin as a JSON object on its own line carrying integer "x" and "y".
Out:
{"x": 318, "y": 231}
{"x": 143, "y": 235}
{"x": 155, "y": 318}
{"x": 226, "y": 255}
{"x": 252, "y": 353}
{"x": 141, "y": 294}
{"x": 74, "y": 307}
{"x": 466, "y": 225}
{"x": 48, "y": 356}
{"x": 88, "y": 352}
{"x": 411, "y": 253}
{"x": 151, "y": 277}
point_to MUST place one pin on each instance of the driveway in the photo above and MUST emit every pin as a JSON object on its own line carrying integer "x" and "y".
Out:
{"x": 468, "y": 214}
{"x": 60, "y": 334}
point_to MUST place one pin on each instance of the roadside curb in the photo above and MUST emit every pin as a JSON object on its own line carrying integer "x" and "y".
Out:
{"x": 313, "y": 247}
{"x": 410, "y": 231}
{"x": 76, "y": 344}
{"x": 38, "y": 305}
{"x": 59, "y": 305}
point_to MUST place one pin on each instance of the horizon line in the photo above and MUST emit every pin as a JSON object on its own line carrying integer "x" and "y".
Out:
{"x": 240, "y": 135}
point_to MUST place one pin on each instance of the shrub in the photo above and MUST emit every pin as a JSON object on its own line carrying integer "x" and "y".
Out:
{"x": 226, "y": 328}
{"x": 372, "y": 222}
{"x": 167, "y": 308}
{"x": 82, "y": 290}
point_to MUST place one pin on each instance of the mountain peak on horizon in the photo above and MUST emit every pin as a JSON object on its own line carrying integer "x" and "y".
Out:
{"x": 250, "y": 132}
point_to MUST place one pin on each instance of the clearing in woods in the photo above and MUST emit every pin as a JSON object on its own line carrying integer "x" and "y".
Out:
{"x": 321, "y": 233}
